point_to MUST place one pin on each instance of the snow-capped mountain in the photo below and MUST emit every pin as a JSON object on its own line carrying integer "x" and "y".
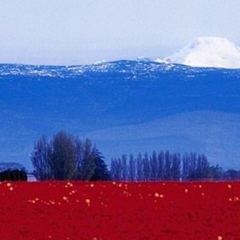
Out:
{"x": 208, "y": 52}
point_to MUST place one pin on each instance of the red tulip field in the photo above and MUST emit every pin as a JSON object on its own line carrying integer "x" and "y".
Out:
{"x": 119, "y": 210}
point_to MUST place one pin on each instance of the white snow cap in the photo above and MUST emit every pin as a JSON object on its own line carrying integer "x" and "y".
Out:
{"x": 208, "y": 52}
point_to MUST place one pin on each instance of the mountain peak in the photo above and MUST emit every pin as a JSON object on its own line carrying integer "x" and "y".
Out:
{"x": 208, "y": 52}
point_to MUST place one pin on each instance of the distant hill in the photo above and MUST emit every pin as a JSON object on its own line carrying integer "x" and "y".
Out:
{"x": 11, "y": 166}
{"x": 187, "y": 108}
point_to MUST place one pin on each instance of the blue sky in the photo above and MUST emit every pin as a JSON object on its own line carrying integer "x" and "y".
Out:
{"x": 65, "y": 32}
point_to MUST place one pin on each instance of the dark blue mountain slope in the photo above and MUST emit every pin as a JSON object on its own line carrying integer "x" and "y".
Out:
{"x": 36, "y": 100}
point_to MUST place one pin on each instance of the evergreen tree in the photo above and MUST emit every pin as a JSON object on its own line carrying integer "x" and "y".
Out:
{"x": 100, "y": 171}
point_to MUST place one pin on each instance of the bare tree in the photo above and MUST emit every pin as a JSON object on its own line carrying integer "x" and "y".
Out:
{"x": 40, "y": 158}
{"x": 132, "y": 168}
{"x": 63, "y": 156}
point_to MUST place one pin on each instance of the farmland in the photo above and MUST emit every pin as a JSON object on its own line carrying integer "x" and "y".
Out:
{"x": 119, "y": 210}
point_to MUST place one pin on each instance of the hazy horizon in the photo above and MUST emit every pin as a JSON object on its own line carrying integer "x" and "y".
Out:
{"x": 73, "y": 32}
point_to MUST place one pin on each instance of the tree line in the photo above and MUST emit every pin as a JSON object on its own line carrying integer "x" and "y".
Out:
{"x": 164, "y": 166}
{"x": 65, "y": 157}
{"x": 13, "y": 175}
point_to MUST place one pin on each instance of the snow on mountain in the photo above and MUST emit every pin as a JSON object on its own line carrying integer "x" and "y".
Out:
{"x": 128, "y": 68}
{"x": 207, "y": 52}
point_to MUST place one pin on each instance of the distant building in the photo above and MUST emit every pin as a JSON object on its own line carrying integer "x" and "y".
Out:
{"x": 31, "y": 178}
